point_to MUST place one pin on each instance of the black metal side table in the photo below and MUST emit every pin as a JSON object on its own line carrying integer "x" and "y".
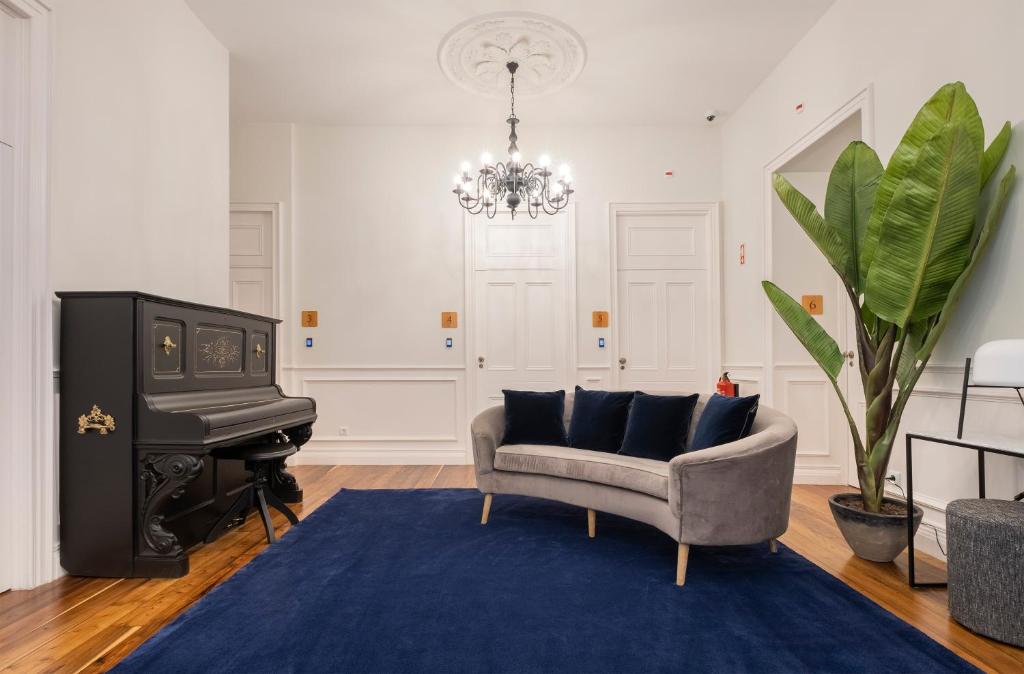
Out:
{"x": 982, "y": 444}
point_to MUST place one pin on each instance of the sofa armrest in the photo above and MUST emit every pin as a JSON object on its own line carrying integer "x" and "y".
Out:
{"x": 738, "y": 493}
{"x": 487, "y": 431}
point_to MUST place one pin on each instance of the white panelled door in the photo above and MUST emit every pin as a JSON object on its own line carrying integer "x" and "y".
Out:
{"x": 521, "y": 311}
{"x": 667, "y": 327}
{"x": 252, "y": 273}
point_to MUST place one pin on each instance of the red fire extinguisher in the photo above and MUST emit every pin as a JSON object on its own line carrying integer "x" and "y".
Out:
{"x": 726, "y": 387}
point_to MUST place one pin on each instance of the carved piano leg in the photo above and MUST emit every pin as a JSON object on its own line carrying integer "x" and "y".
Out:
{"x": 283, "y": 483}
{"x": 163, "y": 477}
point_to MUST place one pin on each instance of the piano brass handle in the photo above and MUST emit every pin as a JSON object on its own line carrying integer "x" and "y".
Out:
{"x": 96, "y": 420}
{"x": 168, "y": 345}
{"x": 259, "y": 350}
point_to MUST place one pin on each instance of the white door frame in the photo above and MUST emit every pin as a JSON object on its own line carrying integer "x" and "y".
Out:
{"x": 864, "y": 103}
{"x": 27, "y": 336}
{"x": 281, "y": 302}
{"x": 469, "y": 295}
{"x": 707, "y": 208}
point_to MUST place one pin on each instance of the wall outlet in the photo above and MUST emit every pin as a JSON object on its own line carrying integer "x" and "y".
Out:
{"x": 895, "y": 477}
{"x": 343, "y": 430}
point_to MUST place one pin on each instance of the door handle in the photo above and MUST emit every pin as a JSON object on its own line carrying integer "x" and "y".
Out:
{"x": 850, "y": 355}
{"x": 480, "y": 361}
{"x": 622, "y": 363}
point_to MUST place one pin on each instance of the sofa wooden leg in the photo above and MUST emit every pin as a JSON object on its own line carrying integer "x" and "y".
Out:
{"x": 487, "y": 509}
{"x": 591, "y": 523}
{"x": 684, "y": 554}
{"x": 773, "y": 545}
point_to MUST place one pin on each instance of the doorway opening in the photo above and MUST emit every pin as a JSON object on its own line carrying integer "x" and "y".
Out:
{"x": 794, "y": 382}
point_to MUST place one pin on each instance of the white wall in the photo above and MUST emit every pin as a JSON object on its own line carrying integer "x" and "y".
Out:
{"x": 904, "y": 51}
{"x": 140, "y": 151}
{"x": 139, "y": 160}
{"x": 378, "y": 251}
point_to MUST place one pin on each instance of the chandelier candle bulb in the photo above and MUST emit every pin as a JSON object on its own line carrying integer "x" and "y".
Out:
{"x": 513, "y": 182}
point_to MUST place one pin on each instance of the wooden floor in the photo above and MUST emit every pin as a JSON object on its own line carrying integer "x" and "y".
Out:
{"x": 84, "y": 624}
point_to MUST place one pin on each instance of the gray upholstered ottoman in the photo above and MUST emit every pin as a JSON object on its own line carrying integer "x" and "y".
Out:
{"x": 986, "y": 567}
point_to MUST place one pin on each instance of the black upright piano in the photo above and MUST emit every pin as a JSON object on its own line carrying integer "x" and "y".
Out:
{"x": 149, "y": 386}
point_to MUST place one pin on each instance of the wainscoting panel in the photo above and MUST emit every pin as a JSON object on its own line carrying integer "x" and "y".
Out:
{"x": 807, "y": 400}
{"x": 595, "y": 376}
{"x": 803, "y": 392}
{"x": 383, "y": 415}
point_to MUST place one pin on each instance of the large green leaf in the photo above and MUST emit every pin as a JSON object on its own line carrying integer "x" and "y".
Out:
{"x": 950, "y": 104}
{"x": 824, "y": 237}
{"x": 994, "y": 153}
{"x": 913, "y": 338}
{"x": 848, "y": 201}
{"x": 992, "y": 220}
{"x": 924, "y": 242}
{"x": 818, "y": 343}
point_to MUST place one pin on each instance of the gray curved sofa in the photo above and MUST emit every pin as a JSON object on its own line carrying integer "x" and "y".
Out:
{"x": 733, "y": 494}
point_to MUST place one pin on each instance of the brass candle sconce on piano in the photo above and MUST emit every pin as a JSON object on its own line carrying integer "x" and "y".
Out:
{"x": 96, "y": 420}
{"x": 168, "y": 345}
{"x": 259, "y": 350}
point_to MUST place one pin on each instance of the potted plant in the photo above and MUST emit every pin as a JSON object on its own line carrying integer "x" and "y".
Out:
{"x": 905, "y": 240}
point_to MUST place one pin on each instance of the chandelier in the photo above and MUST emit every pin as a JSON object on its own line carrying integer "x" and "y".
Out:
{"x": 513, "y": 182}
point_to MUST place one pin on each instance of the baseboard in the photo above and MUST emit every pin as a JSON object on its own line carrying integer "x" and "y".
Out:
{"x": 817, "y": 475}
{"x": 379, "y": 456}
{"x": 933, "y": 524}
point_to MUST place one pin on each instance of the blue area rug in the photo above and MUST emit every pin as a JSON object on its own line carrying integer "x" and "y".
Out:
{"x": 408, "y": 581}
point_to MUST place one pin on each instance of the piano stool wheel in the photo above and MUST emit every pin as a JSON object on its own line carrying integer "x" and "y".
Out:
{"x": 257, "y": 494}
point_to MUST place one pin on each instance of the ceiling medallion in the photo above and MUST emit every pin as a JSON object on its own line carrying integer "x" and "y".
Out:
{"x": 474, "y": 55}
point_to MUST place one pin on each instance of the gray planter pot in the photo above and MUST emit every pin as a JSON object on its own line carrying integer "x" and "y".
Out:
{"x": 877, "y": 537}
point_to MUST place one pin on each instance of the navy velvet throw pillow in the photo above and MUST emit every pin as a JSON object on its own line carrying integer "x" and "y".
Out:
{"x": 534, "y": 418}
{"x": 723, "y": 420}
{"x": 599, "y": 419}
{"x": 658, "y": 426}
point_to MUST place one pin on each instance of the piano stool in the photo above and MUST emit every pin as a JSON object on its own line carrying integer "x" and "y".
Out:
{"x": 259, "y": 461}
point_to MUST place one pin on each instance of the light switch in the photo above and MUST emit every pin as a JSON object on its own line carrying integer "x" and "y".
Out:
{"x": 599, "y": 319}
{"x": 448, "y": 343}
{"x": 309, "y": 342}
{"x": 600, "y": 342}
{"x": 813, "y": 304}
{"x": 449, "y": 319}
{"x": 309, "y": 320}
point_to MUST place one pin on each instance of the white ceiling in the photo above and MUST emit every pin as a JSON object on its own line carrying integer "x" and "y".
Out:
{"x": 375, "y": 61}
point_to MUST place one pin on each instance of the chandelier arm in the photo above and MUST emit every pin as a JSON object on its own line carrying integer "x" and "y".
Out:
{"x": 532, "y": 209}
{"x": 471, "y": 205}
